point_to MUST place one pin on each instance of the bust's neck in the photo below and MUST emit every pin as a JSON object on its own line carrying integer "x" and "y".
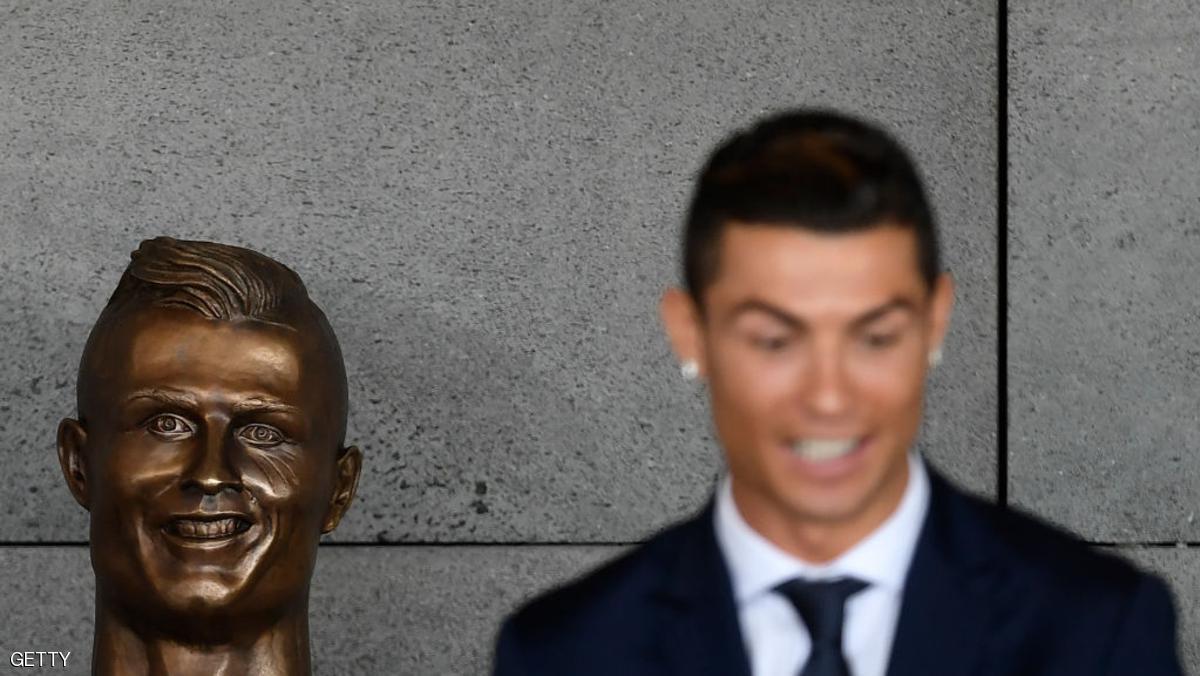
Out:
{"x": 121, "y": 649}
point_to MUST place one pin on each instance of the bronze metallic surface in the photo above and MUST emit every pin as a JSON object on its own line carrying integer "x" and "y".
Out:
{"x": 209, "y": 451}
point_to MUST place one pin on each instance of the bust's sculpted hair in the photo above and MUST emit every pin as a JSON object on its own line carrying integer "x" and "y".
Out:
{"x": 217, "y": 281}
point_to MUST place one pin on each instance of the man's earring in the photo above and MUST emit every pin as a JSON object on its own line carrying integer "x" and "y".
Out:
{"x": 935, "y": 357}
{"x": 690, "y": 370}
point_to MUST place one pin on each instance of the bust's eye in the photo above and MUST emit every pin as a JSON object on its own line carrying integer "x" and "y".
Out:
{"x": 170, "y": 426}
{"x": 261, "y": 435}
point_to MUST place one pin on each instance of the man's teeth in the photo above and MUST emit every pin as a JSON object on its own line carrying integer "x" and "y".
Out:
{"x": 823, "y": 449}
{"x": 218, "y": 528}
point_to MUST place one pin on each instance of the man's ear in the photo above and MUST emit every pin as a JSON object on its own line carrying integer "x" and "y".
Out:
{"x": 349, "y": 465}
{"x": 683, "y": 322}
{"x": 72, "y": 441}
{"x": 940, "y": 308}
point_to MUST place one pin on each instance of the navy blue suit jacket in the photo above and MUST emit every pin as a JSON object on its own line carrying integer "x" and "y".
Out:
{"x": 990, "y": 592}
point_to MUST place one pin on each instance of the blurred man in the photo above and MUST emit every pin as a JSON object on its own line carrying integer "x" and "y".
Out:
{"x": 209, "y": 453}
{"x": 814, "y": 304}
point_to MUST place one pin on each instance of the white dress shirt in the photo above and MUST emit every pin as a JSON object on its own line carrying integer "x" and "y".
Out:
{"x": 777, "y": 642}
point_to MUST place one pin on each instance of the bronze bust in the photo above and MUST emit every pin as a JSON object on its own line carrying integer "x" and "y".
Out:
{"x": 209, "y": 451}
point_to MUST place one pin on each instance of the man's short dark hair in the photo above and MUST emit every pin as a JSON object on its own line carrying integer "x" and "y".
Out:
{"x": 811, "y": 169}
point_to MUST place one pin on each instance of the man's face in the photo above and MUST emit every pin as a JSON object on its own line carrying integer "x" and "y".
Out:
{"x": 815, "y": 349}
{"x": 210, "y": 455}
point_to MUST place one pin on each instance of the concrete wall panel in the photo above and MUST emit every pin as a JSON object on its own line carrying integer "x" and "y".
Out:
{"x": 1105, "y": 244}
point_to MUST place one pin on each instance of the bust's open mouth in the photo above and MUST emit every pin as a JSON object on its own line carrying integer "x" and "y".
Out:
{"x": 208, "y": 527}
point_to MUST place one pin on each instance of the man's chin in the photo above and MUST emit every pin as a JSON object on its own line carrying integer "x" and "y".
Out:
{"x": 826, "y": 504}
{"x": 831, "y": 512}
{"x": 840, "y": 504}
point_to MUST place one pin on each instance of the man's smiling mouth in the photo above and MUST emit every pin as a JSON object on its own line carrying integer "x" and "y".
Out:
{"x": 821, "y": 450}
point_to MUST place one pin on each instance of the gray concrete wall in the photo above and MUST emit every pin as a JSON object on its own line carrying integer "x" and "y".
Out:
{"x": 1104, "y": 244}
{"x": 486, "y": 202}
{"x": 485, "y": 198}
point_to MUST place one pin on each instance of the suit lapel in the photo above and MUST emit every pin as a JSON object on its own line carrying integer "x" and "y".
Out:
{"x": 701, "y": 631}
{"x": 951, "y": 594}
{"x": 955, "y": 595}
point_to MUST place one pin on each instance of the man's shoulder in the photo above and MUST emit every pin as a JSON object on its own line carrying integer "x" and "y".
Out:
{"x": 1086, "y": 609}
{"x": 602, "y": 599}
{"x": 1048, "y": 557}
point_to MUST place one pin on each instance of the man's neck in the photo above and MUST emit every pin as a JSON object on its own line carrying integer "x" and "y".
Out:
{"x": 814, "y": 540}
{"x": 277, "y": 650}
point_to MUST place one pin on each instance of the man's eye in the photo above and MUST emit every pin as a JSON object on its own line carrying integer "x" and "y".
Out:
{"x": 770, "y": 343}
{"x": 261, "y": 435}
{"x": 881, "y": 340}
{"x": 170, "y": 426}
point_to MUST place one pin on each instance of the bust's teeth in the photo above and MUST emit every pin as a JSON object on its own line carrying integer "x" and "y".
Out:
{"x": 823, "y": 449}
{"x": 206, "y": 528}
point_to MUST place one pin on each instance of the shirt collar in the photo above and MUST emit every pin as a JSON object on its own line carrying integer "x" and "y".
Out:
{"x": 757, "y": 566}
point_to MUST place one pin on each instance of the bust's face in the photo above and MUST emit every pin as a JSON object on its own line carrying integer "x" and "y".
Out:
{"x": 210, "y": 451}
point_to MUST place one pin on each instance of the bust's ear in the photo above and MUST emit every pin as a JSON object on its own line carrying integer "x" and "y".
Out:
{"x": 349, "y": 464}
{"x": 72, "y": 440}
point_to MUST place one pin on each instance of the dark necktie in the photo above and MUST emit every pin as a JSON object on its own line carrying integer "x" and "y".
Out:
{"x": 822, "y": 606}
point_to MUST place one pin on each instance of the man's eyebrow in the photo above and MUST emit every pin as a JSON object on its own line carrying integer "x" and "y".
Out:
{"x": 898, "y": 304}
{"x": 755, "y": 305}
{"x": 165, "y": 396}
{"x": 263, "y": 404}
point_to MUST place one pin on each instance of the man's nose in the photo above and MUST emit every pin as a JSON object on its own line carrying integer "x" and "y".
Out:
{"x": 829, "y": 391}
{"x": 212, "y": 469}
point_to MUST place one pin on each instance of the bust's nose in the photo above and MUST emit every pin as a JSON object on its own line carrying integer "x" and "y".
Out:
{"x": 212, "y": 470}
